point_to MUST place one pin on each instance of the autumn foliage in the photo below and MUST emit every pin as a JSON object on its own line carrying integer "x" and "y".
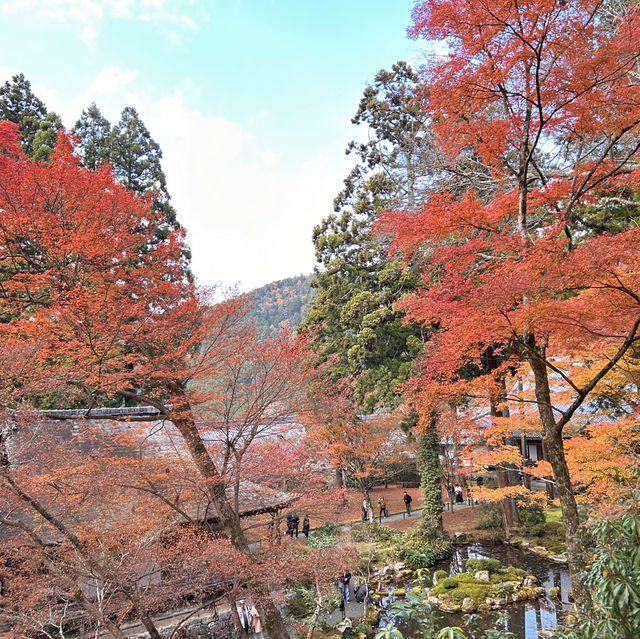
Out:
{"x": 544, "y": 96}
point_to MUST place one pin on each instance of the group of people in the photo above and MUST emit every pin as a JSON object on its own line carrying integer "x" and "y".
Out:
{"x": 293, "y": 524}
{"x": 382, "y": 507}
{"x": 249, "y": 618}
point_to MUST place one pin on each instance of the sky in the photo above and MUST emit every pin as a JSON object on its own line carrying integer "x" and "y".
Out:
{"x": 250, "y": 100}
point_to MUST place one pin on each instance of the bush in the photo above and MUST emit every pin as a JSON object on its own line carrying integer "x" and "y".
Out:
{"x": 328, "y": 530}
{"x": 448, "y": 583}
{"x": 490, "y": 515}
{"x": 473, "y": 565}
{"x": 374, "y": 533}
{"x": 532, "y": 519}
{"x": 440, "y": 574}
{"x": 322, "y": 541}
{"x": 426, "y": 556}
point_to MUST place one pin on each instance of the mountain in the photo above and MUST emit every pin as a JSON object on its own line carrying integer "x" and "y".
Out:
{"x": 281, "y": 301}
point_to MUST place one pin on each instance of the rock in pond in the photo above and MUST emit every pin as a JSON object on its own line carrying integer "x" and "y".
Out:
{"x": 482, "y": 575}
{"x": 468, "y": 605}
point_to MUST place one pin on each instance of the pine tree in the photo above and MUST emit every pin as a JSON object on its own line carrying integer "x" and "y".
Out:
{"x": 353, "y": 316}
{"x": 136, "y": 160}
{"x": 93, "y": 131}
{"x": 19, "y": 104}
{"x": 46, "y": 138}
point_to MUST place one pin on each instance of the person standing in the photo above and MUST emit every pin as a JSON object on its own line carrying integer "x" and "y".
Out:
{"x": 345, "y": 581}
{"x": 256, "y": 624}
{"x": 382, "y": 508}
{"x": 296, "y": 524}
{"x": 305, "y": 525}
{"x": 364, "y": 510}
{"x": 245, "y": 617}
{"x": 407, "y": 502}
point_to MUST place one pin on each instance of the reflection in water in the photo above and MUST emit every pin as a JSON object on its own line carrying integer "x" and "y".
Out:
{"x": 526, "y": 618}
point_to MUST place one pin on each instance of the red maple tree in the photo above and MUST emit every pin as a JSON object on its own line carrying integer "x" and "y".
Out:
{"x": 543, "y": 97}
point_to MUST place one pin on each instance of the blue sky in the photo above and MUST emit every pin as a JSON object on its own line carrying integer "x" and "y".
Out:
{"x": 250, "y": 100}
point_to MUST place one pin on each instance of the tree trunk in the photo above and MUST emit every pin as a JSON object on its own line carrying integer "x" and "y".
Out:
{"x": 510, "y": 519}
{"x": 555, "y": 450}
{"x": 338, "y": 475}
{"x": 230, "y": 520}
{"x": 430, "y": 478}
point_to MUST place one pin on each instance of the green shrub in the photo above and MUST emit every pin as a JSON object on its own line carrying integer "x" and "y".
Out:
{"x": 301, "y": 602}
{"x": 490, "y": 515}
{"x": 440, "y": 574}
{"x": 322, "y": 541}
{"x": 532, "y": 519}
{"x": 426, "y": 555}
{"x": 473, "y": 565}
{"x": 328, "y": 530}
{"x": 374, "y": 533}
{"x": 448, "y": 583}
{"x": 499, "y": 590}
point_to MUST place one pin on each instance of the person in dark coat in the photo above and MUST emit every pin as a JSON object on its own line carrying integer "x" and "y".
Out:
{"x": 305, "y": 525}
{"x": 345, "y": 580}
{"x": 290, "y": 525}
{"x": 296, "y": 524}
{"x": 407, "y": 502}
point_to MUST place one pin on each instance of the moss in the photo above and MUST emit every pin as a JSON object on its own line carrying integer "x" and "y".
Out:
{"x": 477, "y": 592}
{"x": 558, "y": 549}
{"x": 417, "y": 590}
{"x": 440, "y": 574}
{"x": 473, "y": 565}
{"x": 399, "y": 592}
{"x": 448, "y": 583}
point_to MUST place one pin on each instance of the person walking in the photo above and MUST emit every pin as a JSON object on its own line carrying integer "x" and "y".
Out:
{"x": 345, "y": 581}
{"x": 407, "y": 502}
{"x": 305, "y": 526}
{"x": 382, "y": 508}
{"x": 295, "y": 525}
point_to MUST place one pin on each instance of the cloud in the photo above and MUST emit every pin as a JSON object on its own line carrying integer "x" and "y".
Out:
{"x": 172, "y": 16}
{"x": 111, "y": 79}
{"x": 249, "y": 213}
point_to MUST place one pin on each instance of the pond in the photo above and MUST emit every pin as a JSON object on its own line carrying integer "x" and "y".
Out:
{"x": 525, "y": 619}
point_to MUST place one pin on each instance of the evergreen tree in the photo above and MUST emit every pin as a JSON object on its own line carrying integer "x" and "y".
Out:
{"x": 19, "y": 104}
{"x": 93, "y": 131}
{"x": 430, "y": 478}
{"x": 353, "y": 316}
{"x": 46, "y": 138}
{"x": 136, "y": 160}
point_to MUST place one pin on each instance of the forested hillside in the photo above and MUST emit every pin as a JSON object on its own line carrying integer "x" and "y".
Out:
{"x": 277, "y": 302}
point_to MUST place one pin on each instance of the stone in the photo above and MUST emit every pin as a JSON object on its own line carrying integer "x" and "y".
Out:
{"x": 540, "y": 550}
{"x": 530, "y": 580}
{"x": 483, "y": 607}
{"x": 482, "y": 575}
{"x": 545, "y": 634}
{"x": 468, "y": 605}
{"x": 399, "y": 566}
{"x": 344, "y": 625}
{"x": 554, "y": 592}
{"x": 561, "y": 559}
{"x": 448, "y": 606}
{"x": 524, "y": 544}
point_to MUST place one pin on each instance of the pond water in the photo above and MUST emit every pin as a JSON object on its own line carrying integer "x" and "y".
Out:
{"x": 525, "y": 619}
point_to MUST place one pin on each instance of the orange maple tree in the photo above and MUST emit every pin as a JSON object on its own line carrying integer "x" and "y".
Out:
{"x": 544, "y": 96}
{"x": 99, "y": 308}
